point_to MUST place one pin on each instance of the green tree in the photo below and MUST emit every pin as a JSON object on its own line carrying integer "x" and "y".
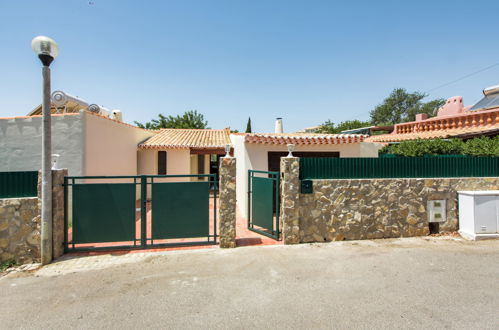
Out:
{"x": 248, "y": 126}
{"x": 190, "y": 119}
{"x": 401, "y": 106}
{"x": 330, "y": 128}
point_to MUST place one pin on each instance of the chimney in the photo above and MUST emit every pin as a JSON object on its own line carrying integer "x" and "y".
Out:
{"x": 421, "y": 116}
{"x": 278, "y": 125}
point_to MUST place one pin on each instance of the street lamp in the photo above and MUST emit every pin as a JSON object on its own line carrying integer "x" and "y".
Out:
{"x": 47, "y": 50}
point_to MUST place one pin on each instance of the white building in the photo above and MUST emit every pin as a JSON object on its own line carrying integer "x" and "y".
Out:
{"x": 98, "y": 143}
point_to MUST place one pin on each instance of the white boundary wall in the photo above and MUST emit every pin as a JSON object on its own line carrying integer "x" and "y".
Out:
{"x": 21, "y": 143}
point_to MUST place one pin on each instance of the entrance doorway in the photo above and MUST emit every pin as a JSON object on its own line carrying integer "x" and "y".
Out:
{"x": 274, "y": 157}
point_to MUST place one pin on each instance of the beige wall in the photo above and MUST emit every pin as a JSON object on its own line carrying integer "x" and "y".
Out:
{"x": 194, "y": 166}
{"x": 110, "y": 147}
{"x": 177, "y": 161}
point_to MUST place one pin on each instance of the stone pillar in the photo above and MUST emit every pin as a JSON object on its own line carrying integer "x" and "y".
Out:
{"x": 57, "y": 210}
{"x": 290, "y": 188}
{"x": 227, "y": 209}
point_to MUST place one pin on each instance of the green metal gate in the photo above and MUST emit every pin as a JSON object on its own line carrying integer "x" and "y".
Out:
{"x": 263, "y": 203}
{"x": 127, "y": 212}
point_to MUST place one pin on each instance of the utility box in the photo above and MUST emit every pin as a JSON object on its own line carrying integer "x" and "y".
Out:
{"x": 479, "y": 214}
{"x": 437, "y": 210}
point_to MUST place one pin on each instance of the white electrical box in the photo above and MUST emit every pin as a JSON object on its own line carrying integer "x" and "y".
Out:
{"x": 436, "y": 210}
{"x": 479, "y": 214}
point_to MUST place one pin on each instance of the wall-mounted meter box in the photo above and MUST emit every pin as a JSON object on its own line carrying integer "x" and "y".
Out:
{"x": 479, "y": 214}
{"x": 437, "y": 210}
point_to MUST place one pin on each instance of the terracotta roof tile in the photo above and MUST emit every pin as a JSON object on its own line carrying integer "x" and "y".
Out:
{"x": 188, "y": 138}
{"x": 303, "y": 138}
{"x": 439, "y": 134}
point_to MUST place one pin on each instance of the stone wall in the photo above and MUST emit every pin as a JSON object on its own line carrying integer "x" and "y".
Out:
{"x": 227, "y": 209}
{"x": 58, "y": 212}
{"x": 379, "y": 208}
{"x": 57, "y": 209}
{"x": 20, "y": 223}
{"x": 290, "y": 188}
{"x": 20, "y": 230}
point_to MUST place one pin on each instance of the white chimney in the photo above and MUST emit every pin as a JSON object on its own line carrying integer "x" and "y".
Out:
{"x": 278, "y": 125}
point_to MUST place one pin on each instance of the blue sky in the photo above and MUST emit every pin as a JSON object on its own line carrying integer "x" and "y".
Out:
{"x": 305, "y": 61}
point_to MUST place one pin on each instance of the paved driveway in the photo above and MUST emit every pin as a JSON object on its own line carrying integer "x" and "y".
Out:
{"x": 403, "y": 283}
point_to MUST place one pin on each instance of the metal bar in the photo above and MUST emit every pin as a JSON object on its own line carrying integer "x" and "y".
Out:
{"x": 72, "y": 213}
{"x": 138, "y": 176}
{"x": 264, "y": 233}
{"x": 104, "y": 177}
{"x": 263, "y": 172}
{"x": 143, "y": 211}
{"x": 214, "y": 209}
{"x": 66, "y": 225}
{"x": 249, "y": 198}
{"x": 277, "y": 209}
{"x": 131, "y": 247}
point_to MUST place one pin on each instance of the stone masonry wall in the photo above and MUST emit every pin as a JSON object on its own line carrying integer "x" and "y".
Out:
{"x": 227, "y": 209}
{"x": 379, "y": 208}
{"x": 20, "y": 230}
{"x": 290, "y": 188}
{"x": 57, "y": 209}
{"x": 58, "y": 212}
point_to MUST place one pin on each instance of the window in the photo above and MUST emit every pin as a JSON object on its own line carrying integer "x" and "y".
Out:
{"x": 162, "y": 162}
{"x": 201, "y": 166}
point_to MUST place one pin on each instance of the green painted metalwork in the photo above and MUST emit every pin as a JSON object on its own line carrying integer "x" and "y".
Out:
{"x": 103, "y": 212}
{"x": 180, "y": 209}
{"x": 399, "y": 167}
{"x": 143, "y": 210}
{"x": 263, "y": 203}
{"x": 18, "y": 184}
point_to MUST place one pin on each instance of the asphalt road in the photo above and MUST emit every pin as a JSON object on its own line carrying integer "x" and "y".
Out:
{"x": 405, "y": 283}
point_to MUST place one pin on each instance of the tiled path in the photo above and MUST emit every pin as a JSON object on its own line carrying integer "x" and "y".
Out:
{"x": 245, "y": 237}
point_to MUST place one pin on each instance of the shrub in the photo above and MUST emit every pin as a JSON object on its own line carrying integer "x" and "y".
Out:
{"x": 418, "y": 148}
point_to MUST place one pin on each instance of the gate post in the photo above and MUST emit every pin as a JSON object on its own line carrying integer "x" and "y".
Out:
{"x": 290, "y": 188}
{"x": 227, "y": 208}
{"x": 58, "y": 210}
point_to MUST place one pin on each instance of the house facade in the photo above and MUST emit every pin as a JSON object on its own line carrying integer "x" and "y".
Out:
{"x": 183, "y": 151}
{"x": 262, "y": 151}
{"x": 453, "y": 120}
{"x": 87, "y": 144}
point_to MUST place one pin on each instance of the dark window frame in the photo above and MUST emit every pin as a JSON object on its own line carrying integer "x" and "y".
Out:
{"x": 162, "y": 162}
{"x": 273, "y": 157}
{"x": 201, "y": 165}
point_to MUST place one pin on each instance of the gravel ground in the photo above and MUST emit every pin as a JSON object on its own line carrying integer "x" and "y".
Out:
{"x": 433, "y": 282}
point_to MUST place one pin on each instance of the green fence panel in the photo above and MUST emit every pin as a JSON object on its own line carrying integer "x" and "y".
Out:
{"x": 103, "y": 212}
{"x": 398, "y": 167}
{"x": 180, "y": 209}
{"x": 262, "y": 199}
{"x": 18, "y": 184}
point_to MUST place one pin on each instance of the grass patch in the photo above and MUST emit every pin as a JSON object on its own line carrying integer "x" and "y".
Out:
{"x": 7, "y": 264}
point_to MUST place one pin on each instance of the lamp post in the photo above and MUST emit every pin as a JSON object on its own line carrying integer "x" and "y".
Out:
{"x": 47, "y": 50}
